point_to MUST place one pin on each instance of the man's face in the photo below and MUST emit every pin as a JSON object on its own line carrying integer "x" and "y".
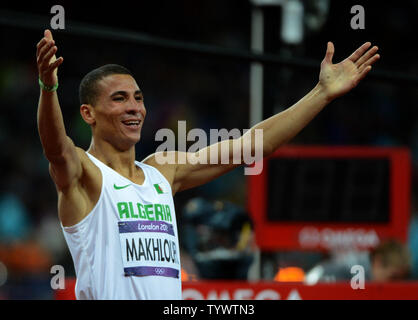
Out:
{"x": 119, "y": 111}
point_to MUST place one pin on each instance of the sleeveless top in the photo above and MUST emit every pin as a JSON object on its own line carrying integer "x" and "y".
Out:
{"x": 127, "y": 246}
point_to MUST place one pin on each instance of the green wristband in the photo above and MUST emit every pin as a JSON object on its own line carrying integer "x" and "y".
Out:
{"x": 48, "y": 88}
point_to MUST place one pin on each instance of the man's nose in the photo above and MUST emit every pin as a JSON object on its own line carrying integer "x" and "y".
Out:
{"x": 136, "y": 108}
{"x": 133, "y": 107}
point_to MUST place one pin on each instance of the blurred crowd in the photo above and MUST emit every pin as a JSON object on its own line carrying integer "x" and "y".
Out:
{"x": 216, "y": 232}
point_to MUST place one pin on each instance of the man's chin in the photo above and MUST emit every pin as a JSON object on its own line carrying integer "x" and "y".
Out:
{"x": 135, "y": 140}
{"x": 129, "y": 142}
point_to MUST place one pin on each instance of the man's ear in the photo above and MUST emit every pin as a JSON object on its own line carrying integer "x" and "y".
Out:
{"x": 87, "y": 112}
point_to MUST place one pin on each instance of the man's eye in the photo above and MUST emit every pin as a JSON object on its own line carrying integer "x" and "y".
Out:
{"x": 118, "y": 99}
{"x": 138, "y": 98}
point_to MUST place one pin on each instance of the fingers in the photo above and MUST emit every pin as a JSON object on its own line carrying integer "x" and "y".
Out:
{"x": 359, "y": 52}
{"x": 55, "y": 64}
{"x": 47, "y": 39}
{"x": 47, "y": 57}
{"x": 48, "y": 34}
{"x": 366, "y": 60}
{"x": 330, "y": 52}
{"x": 369, "y": 62}
{"x": 46, "y": 60}
{"x": 363, "y": 73}
{"x": 44, "y": 50}
{"x": 40, "y": 45}
{"x": 365, "y": 57}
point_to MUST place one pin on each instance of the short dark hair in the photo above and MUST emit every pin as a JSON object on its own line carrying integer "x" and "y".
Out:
{"x": 88, "y": 90}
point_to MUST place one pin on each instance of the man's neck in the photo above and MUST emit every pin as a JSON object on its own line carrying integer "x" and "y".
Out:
{"x": 122, "y": 162}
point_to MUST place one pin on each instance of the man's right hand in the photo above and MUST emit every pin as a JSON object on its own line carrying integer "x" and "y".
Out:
{"x": 46, "y": 60}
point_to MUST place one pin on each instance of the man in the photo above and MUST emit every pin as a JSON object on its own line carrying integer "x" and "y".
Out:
{"x": 118, "y": 214}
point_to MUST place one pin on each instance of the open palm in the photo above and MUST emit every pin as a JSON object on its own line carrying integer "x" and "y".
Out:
{"x": 338, "y": 79}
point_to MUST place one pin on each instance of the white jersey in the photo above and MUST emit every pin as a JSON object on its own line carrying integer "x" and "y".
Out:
{"x": 127, "y": 246}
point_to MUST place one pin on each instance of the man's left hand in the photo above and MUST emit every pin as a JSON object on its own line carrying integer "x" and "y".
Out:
{"x": 338, "y": 79}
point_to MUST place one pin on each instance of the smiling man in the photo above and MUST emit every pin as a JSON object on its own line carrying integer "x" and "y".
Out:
{"x": 118, "y": 214}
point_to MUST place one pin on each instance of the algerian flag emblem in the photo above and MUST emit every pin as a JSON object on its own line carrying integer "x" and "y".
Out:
{"x": 159, "y": 189}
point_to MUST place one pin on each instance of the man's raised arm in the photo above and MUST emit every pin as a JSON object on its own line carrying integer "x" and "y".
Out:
{"x": 334, "y": 80}
{"x": 58, "y": 147}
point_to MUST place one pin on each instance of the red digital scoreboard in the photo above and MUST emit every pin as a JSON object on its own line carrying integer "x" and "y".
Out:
{"x": 324, "y": 197}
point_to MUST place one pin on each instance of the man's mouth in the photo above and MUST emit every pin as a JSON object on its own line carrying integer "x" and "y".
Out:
{"x": 132, "y": 124}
